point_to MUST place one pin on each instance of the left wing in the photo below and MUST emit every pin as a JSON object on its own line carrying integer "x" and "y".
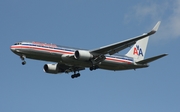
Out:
{"x": 116, "y": 47}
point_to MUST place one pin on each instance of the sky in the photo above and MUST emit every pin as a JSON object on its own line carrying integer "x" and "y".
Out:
{"x": 90, "y": 24}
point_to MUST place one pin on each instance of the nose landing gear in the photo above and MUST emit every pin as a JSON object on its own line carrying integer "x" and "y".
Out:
{"x": 23, "y": 59}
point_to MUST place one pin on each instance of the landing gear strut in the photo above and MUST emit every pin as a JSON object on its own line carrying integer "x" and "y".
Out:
{"x": 23, "y": 59}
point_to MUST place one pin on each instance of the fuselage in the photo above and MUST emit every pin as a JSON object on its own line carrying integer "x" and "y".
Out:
{"x": 56, "y": 53}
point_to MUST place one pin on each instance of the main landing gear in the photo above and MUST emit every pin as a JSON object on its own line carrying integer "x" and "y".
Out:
{"x": 94, "y": 67}
{"x": 23, "y": 59}
{"x": 75, "y": 75}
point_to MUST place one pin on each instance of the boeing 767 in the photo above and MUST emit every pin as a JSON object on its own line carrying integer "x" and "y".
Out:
{"x": 74, "y": 60}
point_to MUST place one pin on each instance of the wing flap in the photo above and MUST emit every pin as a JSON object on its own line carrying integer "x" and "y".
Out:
{"x": 146, "y": 61}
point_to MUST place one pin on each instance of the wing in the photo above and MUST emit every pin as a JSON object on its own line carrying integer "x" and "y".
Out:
{"x": 116, "y": 47}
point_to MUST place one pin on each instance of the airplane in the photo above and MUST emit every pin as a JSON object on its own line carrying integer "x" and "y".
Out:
{"x": 69, "y": 59}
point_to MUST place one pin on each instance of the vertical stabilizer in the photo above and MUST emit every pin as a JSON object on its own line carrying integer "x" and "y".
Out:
{"x": 139, "y": 49}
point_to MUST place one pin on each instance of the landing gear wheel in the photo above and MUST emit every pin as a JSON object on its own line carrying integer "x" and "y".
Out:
{"x": 72, "y": 76}
{"x": 91, "y": 68}
{"x": 78, "y": 75}
{"x": 24, "y": 62}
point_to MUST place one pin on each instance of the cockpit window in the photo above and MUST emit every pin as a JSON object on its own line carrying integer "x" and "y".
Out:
{"x": 19, "y": 43}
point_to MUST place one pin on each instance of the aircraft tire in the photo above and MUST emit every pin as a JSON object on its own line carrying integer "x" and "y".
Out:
{"x": 72, "y": 76}
{"x": 24, "y": 62}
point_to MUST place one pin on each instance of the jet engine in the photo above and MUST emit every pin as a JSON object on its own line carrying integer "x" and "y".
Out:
{"x": 52, "y": 68}
{"x": 82, "y": 55}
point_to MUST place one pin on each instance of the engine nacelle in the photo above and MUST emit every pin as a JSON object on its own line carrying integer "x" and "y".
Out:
{"x": 52, "y": 68}
{"x": 82, "y": 55}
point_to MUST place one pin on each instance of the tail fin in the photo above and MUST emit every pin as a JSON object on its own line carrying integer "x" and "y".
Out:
{"x": 139, "y": 49}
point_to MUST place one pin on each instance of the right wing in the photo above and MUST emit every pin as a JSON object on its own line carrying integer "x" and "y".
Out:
{"x": 116, "y": 47}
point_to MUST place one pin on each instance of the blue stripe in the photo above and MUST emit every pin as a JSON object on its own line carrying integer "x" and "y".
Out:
{"x": 120, "y": 57}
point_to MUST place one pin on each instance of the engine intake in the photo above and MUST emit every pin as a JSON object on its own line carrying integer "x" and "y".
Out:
{"x": 82, "y": 55}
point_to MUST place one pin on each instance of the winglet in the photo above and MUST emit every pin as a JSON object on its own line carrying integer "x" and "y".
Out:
{"x": 154, "y": 30}
{"x": 156, "y": 26}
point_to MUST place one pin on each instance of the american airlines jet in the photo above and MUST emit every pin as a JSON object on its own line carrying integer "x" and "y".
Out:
{"x": 74, "y": 60}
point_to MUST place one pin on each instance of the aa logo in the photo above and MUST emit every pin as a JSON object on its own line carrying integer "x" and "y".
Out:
{"x": 138, "y": 51}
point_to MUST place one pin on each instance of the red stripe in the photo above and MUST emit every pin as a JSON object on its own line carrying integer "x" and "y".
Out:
{"x": 42, "y": 49}
{"x": 110, "y": 59}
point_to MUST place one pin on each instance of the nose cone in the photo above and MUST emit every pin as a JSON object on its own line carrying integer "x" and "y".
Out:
{"x": 12, "y": 48}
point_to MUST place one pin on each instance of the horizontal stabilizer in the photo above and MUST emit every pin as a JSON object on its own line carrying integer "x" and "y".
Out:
{"x": 145, "y": 61}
